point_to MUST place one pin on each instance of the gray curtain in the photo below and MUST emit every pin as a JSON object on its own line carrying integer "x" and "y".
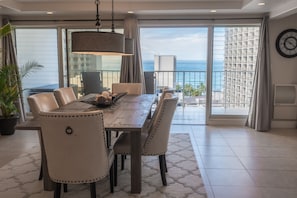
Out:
{"x": 9, "y": 58}
{"x": 131, "y": 68}
{"x": 260, "y": 113}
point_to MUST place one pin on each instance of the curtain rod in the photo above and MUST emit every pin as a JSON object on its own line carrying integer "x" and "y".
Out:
{"x": 203, "y": 19}
{"x": 58, "y": 20}
{"x": 140, "y": 19}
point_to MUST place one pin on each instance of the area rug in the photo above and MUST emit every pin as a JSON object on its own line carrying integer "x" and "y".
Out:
{"x": 19, "y": 178}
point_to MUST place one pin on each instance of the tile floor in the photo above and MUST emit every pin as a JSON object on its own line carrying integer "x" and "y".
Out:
{"x": 234, "y": 162}
{"x": 242, "y": 163}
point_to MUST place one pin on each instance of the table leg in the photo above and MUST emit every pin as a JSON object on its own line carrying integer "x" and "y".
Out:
{"x": 135, "y": 162}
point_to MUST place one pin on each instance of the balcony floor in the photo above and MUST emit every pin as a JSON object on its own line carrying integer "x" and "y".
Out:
{"x": 196, "y": 114}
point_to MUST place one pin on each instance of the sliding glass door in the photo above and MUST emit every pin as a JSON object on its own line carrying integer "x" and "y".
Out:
{"x": 234, "y": 58}
{"x": 210, "y": 69}
{"x": 178, "y": 57}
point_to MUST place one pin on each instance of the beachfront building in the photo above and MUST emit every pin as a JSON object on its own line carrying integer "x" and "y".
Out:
{"x": 165, "y": 65}
{"x": 241, "y": 46}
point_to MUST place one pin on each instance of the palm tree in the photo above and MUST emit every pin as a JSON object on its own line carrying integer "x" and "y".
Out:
{"x": 29, "y": 67}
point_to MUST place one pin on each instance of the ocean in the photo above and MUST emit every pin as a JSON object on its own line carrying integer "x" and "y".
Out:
{"x": 194, "y": 72}
{"x": 186, "y": 65}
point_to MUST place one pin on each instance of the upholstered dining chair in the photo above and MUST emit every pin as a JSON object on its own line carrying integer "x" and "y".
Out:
{"x": 150, "y": 120}
{"x": 92, "y": 82}
{"x": 76, "y": 150}
{"x": 130, "y": 88}
{"x": 156, "y": 140}
{"x": 64, "y": 95}
{"x": 45, "y": 101}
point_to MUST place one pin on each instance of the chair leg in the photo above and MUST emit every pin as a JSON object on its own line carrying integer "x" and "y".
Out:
{"x": 57, "y": 192}
{"x": 111, "y": 178}
{"x": 40, "y": 173}
{"x": 115, "y": 165}
{"x": 65, "y": 187}
{"x": 122, "y": 162}
{"x": 162, "y": 163}
{"x": 93, "y": 189}
{"x": 108, "y": 138}
{"x": 165, "y": 164}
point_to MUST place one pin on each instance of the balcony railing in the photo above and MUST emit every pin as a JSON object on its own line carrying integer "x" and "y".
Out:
{"x": 230, "y": 89}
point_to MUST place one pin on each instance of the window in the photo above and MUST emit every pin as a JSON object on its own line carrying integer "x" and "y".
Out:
{"x": 37, "y": 47}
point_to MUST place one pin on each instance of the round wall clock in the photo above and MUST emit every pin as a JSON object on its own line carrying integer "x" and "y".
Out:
{"x": 286, "y": 43}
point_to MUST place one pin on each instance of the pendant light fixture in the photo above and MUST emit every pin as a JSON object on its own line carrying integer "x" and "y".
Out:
{"x": 97, "y": 42}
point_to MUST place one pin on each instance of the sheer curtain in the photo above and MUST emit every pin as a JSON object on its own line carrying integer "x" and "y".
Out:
{"x": 260, "y": 113}
{"x": 131, "y": 68}
{"x": 9, "y": 58}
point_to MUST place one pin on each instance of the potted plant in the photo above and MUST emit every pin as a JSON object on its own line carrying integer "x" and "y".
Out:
{"x": 9, "y": 93}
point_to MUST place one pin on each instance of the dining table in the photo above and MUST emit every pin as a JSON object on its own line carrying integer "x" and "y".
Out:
{"x": 128, "y": 114}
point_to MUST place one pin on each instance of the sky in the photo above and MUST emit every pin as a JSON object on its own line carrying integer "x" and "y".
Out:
{"x": 186, "y": 43}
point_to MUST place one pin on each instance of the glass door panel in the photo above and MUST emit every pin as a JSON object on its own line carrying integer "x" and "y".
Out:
{"x": 234, "y": 59}
{"x": 178, "y": 57}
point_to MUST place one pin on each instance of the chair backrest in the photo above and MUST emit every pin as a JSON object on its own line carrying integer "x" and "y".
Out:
{"x": 149, "y": 82}
{"x": 45, "y": 101}
{"x": 91, "y": 82}
{"x": 75, "y": 146}
{"x": 157, "y": 139}
{"x": 130, "y": 88}
{"x": 64, "y": 95}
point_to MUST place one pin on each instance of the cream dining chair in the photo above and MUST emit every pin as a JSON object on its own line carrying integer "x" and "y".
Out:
{"x": 42, "y": 102}
{"x": 76, "y": 150}
{"x": 156, "y": 140}
{"x": 64, "y": 95}
{"x": 130, "y": 88}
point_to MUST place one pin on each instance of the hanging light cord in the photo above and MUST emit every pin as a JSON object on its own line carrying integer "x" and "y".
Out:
{"x": 98, "y": 19}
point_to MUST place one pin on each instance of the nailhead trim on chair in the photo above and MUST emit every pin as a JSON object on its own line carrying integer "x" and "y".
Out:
{"x": 80, "y": 181}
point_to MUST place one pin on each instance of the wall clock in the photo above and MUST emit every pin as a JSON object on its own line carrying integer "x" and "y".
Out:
{"x": 286, "y": 43}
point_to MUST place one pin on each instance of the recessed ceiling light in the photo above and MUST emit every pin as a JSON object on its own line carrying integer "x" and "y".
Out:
{"x": 261, "y": 4}
{"x": 213, "y": 11}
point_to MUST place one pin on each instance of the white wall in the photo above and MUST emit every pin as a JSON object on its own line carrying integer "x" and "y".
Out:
{"x": 284, "y": 71}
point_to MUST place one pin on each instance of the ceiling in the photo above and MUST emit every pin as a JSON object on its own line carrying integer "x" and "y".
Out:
{"x": 67, "y": 9}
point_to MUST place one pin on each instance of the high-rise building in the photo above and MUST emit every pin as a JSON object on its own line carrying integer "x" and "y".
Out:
{"x": 165, "y": 65}
{"x": 241, "y": 47}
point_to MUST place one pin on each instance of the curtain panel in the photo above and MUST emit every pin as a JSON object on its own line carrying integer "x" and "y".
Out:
{"x": 260, "y": 113}
{"x": 9, "y": 58}
{"x": 131, "y": 67}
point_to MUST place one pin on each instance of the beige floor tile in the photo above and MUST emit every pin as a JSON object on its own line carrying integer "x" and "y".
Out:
{"x": 274, "y": 179}
{"x": 216, "y": 151}
{"x": 269, "y": 163}
{"x": 221, "y": 162}
{"x": 236, "y": 192}
{"x": 278, "y": 192}
{"x": 227, "y": 177}
{"x": 264, "y": 151}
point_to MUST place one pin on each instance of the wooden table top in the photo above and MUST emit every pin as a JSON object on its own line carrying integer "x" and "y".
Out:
{"x": 129, "y": 113}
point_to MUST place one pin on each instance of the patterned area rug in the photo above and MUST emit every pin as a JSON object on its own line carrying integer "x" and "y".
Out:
{"x": 19, "y": 178}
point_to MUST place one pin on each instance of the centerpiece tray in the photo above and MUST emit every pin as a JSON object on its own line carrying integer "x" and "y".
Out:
{"x": 103, "y": 101}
